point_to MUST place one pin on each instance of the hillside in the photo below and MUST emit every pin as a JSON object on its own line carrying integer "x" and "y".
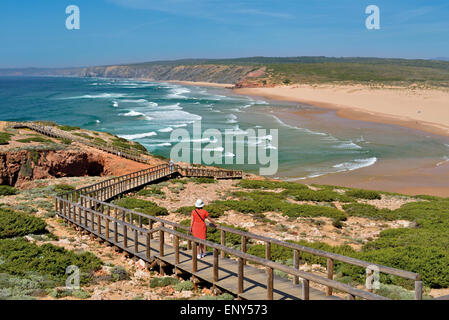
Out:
{"x": 269, "y": 71}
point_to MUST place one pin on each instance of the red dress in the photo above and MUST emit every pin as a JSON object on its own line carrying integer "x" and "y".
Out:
{"x": 199, "y": 226}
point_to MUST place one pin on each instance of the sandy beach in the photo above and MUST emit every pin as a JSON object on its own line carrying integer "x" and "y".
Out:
{"x": 421, "y": 109}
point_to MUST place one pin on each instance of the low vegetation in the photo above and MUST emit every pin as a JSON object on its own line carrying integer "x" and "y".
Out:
{"x": 163, "y": 282}
{"x": 5, "y": 138}
{"x": 16, "y": 224}
{"x": 35, "y": 139}
{"x": 364, "y": 194}
{"x": 147, "y": 207}
{"x": 22, "y": 258}
{"x": 8, "y": 190}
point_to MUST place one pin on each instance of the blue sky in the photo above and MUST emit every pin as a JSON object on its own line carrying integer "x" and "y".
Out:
{"x": 33, "y": 32}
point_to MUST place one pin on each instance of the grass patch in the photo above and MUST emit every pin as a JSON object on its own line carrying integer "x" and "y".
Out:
{"x": 318, "y": 196}
{"x": 68, "y": 128}
{"x": 35, "y": 139}
{"x": 364, "y": 194}
{"x": 16, "y": 224}
{"x": 8, "y": 190}
{"x": 184, "y": 286}
{"x": 270, "y": 185}
{"x": 5, "y": 138}
{"x": 62, "y": 188}
{"x": 153, "y": 191}
{"x": 202, "y": 180}
{"x": 163, "y": 282}
{"x": 20, "y": 258}
{"x": 143, "y": 206}
{"x": 368, "y": 211}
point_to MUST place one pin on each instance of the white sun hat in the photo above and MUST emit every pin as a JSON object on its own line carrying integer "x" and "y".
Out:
{"x": 199, "y": 203}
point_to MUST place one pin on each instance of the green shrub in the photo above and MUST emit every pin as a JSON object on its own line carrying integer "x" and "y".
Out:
{"x": 58, "y": 293}
{"x": 22, "y": 258}
{"x": 8, "y": 190}
{"x": 364, "y": 194}
{"x": 5, "y": 138}
{"x": 270, "y": 185}
{"x": 16, "y": 224}
{"x": 319, "y": 196}
{"x": 65, "y": 141}
{"x": 83, "y": 135}
{"x": 368, "y": 211}
{"x": 119, "y": 273}
{"x": 100, "y": 141}
{"x": 224, "y": 296}
{"x": 184, "y": 286}
{"x": 68, "y": 128}
{"x": 154, "y": 191}
{"x": 143, "y": 206}
{"x": 163, "y": 282}
{"x": 203, "y": 180}
{"x": 62, "y": 188}
{"x": 34, "y": 139}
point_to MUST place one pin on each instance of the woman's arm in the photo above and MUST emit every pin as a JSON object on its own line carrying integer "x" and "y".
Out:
{"x": 211, "y": 220}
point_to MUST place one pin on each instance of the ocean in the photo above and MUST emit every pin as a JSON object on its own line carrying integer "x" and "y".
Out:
{"x": 148, "y": 112}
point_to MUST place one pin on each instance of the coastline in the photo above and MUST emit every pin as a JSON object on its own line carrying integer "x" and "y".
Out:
{"x": 198, "y": 83}
{"x": 413, "y": 178}
{"x": 420, "y": 109}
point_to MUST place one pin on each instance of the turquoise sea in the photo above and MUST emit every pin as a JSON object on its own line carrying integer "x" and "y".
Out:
{"x": 148, "y": 112}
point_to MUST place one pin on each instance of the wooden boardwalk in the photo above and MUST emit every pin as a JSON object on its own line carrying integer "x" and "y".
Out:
{"x": 159, "y": 241}
{"x": 253, "y": 281}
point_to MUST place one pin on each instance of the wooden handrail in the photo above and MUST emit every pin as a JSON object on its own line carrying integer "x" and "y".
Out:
{"x": 278, "y": 266}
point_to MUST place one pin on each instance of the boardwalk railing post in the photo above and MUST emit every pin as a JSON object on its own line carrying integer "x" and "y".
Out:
{"x": 223, "y": 242}
{"x": 240, "y": 279}
{"x": 161, "y": 243}
{"x": 330, "y": 274}
{"x": 115, "y": 232}
{"x": 176, "y": 249}
{"x": 194, "y": 258}
{"x": 107, "y": 229}
{"x": 215, "y": 265}
{"x": 125, "y": 236}
{"x": 269, "y": 283}
{"x": 243, "y": 247}
{"x": 148, "y": 252}
{"x": 305, "y": 294}
{"x": 99, "y": 224}
{"x": 418, "y": 289}
{"x": 296, "y": 265}
{"x": 151, "y": 228}
{"x": 268, "y": 250}
{"x": 136, "y": 241}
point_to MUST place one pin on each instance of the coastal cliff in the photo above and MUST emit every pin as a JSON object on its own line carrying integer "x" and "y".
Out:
{"x": 209, "y": 73}
{"x": 21, "y": 166}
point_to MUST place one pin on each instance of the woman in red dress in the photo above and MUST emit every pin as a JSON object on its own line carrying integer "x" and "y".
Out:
{"x": 198, "y": 225}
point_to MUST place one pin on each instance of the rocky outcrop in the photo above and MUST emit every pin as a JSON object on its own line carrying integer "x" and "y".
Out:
{"x": 17, "y": 167}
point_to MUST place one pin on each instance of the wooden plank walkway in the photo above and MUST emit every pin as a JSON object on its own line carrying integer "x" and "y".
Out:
{"x": 253, "y": 281}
